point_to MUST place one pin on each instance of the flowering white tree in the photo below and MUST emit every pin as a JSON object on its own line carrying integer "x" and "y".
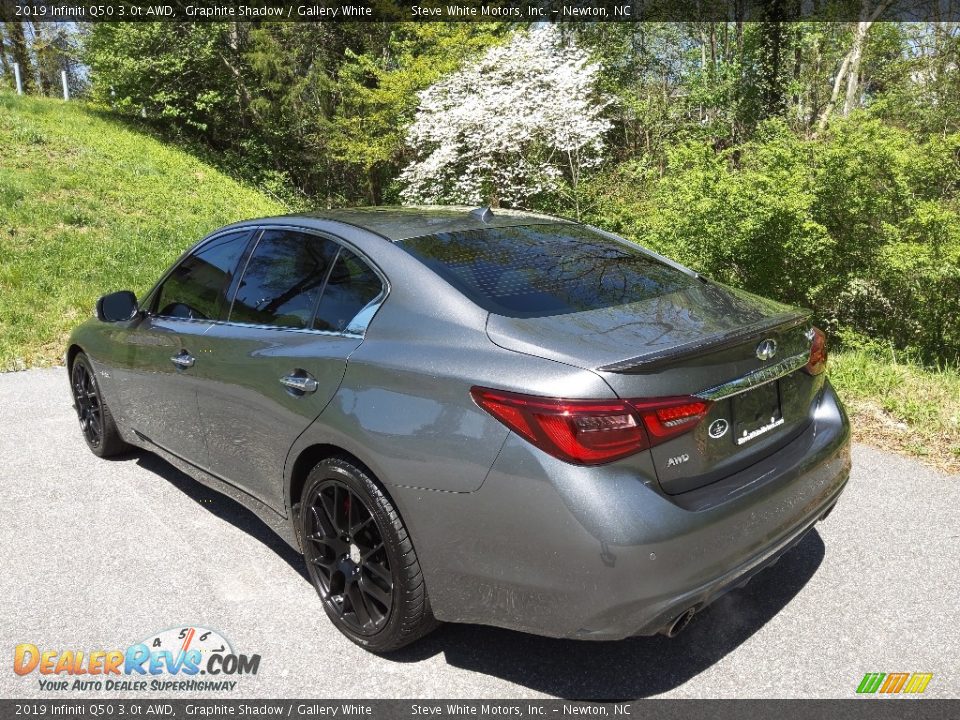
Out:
{"x": 523, "y": 120}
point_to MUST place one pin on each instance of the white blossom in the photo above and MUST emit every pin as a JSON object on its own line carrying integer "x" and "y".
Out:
{"x": 523, "y": 120}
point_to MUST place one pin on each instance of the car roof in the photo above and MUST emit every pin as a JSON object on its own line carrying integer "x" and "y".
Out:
{"x": 402, "y": 223}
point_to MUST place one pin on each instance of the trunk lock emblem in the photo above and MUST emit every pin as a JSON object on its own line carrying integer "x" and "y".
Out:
{"x": 718, "y": 428}
{"x": 767, "y": 349}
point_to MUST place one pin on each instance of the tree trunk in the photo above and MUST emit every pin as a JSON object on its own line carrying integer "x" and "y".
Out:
{"x": 21, "y": 54}
{"x": 4, "y": 64}
{"x": 853, "y": 70}
{"x": 703, "y": 49}
{"x": 837, "y": 82}
{"x": 713, "y": 46}
{"x": 850, "y": 67}
{"x": 797, "y": 69}
{"x": 45, "y": 56}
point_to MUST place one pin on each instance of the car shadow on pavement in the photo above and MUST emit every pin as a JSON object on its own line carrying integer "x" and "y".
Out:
{"x": 223, "y": 507}
{"x": 627, "y": 669}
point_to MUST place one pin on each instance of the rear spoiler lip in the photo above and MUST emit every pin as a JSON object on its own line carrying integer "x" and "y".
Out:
{"x": 652, "y": 361}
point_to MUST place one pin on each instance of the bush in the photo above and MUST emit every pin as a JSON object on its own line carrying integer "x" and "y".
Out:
{"x": 861, "y": 225}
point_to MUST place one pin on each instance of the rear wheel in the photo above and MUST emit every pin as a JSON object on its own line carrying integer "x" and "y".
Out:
{"x": 96, "y": 423}
{"x": 361, "y": 560}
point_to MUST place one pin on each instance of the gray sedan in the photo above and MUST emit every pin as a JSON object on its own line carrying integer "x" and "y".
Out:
{"x": 476, "y": 416}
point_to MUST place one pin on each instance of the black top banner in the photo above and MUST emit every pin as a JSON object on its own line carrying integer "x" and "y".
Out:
{"x": 481, "y": 11}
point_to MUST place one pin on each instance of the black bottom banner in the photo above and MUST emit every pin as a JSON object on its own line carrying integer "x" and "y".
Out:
{"x": 867, "y": 709}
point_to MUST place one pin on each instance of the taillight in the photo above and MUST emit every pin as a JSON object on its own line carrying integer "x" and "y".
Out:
{"x": 591, "y": 432}
{"x": 668, "y": 417}
{"x": 818, "y": 351}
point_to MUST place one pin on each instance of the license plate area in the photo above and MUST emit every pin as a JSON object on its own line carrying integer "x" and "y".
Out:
{"x": 757, "y": 412}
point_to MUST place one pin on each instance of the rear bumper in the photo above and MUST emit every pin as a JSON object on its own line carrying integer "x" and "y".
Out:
{"x": 700, "y": 597}
{"x": 602, "y": 553}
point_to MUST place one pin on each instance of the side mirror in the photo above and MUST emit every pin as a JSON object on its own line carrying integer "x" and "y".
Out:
{"x": 117, "y": 307}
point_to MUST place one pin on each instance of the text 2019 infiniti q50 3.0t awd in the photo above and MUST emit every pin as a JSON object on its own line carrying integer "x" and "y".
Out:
{"x": 476, "y": 416}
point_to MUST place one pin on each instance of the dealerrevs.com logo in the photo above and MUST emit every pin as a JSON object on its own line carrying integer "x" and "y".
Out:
{"x": 186, "y": 659}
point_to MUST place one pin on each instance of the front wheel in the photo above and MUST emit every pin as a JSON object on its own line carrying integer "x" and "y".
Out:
{"x": 96, "y": 422}
{"x": 361, "y": 560}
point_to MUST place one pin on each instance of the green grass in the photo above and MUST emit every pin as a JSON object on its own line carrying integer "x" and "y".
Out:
{"x": 87, "y": 206}
{"x": 900, "y": 405}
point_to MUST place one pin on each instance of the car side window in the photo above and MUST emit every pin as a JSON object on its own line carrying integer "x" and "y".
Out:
{"x": 283, "y": 279}
{"x": 196, "y": 288}
{"x": 351, "y": 286}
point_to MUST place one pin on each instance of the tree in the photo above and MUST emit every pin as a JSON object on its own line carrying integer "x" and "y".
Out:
{"x": 56, "y": 48}
{"x": 4, "y": 63}
{"x": 378, "y": 88}
{"x": 525, "y": 120}
{"x": 176, "y": 73}
{"x": 20, "y": 52}
{"x": 850, "y": 67}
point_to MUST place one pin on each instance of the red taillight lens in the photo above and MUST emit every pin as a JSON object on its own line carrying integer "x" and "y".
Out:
{"x": 591, "y": 432}
{"x": 668, "y": 417}
{"x": 818, "y": 352}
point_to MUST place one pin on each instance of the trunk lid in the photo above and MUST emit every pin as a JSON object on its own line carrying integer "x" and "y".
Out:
{"x": 699, "y": 339}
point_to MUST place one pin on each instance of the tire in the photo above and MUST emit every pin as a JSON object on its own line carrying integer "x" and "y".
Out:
{"x": 360, "y": 559}
{"x": 96, "y": 422}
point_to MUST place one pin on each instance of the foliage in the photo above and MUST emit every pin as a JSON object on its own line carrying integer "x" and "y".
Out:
{"x": 88, "y": 206}
{"x": 42, "y": 50}
{"x": 173, "y": 72}
{"x": 521, "y": 122}
{"x": 309, "y": 110}
{"x": 862, "y": 225}
{"x": 378, "y": 94}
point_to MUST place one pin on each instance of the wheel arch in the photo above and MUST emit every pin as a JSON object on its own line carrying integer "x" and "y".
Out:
{"x": 306, "y": 460}
{"x": 71, "y": 355}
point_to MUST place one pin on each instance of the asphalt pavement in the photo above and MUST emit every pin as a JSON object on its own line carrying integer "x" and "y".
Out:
{"x": 100, "y": 554}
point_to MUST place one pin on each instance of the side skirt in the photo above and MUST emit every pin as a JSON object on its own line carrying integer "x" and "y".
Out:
{"x": 281, "y": 525}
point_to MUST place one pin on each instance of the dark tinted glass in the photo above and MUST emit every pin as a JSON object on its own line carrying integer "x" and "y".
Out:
{"x": 196, "y": 287}
{"x": 537, "y": 270}
{"x": 351, "y": 286}
{"x": 282, "y": 282}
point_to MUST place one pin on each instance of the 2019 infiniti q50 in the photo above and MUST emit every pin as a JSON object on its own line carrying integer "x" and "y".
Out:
{"x": 476, "y": 416}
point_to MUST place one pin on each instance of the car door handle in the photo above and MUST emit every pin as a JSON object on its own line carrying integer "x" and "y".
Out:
{"x": 183, "y": 360}
{"x": 299, "y": 383}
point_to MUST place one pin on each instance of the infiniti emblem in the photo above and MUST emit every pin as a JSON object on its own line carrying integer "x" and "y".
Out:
{"x": 767, "y": 349}
{"x": 718, "y": 428}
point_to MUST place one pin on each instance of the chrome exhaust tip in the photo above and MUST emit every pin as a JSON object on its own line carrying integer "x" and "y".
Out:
{"x": 678, "y": 625}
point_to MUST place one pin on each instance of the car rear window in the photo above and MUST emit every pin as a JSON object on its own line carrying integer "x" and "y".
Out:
{"x": 540, "y": 270}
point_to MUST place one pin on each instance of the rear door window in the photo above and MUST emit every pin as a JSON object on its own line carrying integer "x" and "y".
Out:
{"x": 352, "y": 285}
{"x": 196, "y": 288}
{"x": 283, "y": 279}
{"x": 540, "y": 270}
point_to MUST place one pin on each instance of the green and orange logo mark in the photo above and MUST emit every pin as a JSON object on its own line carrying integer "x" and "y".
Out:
{"x": 894, "y": 683}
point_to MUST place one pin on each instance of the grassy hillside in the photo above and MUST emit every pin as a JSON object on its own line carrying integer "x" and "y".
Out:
{"x": 87, "y": 206}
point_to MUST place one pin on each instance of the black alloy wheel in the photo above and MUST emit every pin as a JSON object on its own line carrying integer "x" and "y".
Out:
{"x": 350, "y": 558}
{"x": 96, "y": 421}
{"x": 86, "y": 400}
{"x": 360, "y": 558}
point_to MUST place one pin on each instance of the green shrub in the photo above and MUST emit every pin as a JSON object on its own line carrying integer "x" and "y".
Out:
{"x": 861, "y": 225}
